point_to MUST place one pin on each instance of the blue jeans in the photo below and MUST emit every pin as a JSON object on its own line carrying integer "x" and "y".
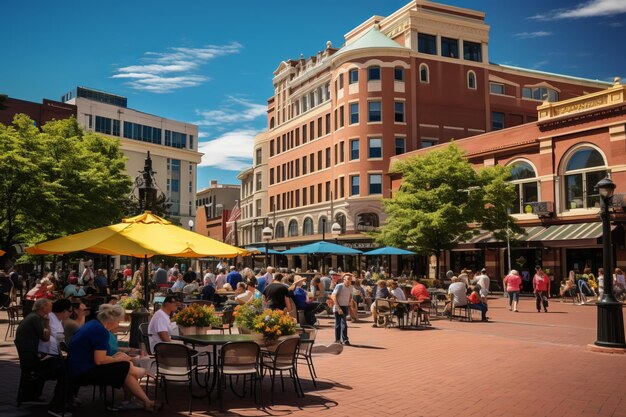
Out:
{"x": 341, "y": 325}
{"x": 513, "y": 296}
{"x": 482, "y": 308}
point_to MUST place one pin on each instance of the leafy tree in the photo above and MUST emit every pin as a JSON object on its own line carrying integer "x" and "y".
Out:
{"x": 442, "y": 199}
{"x": 57, "y": 181}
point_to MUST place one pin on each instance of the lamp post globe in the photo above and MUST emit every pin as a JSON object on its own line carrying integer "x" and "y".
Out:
{"x": 190, "y": 224}
{"x": 610, "y": 319}
{"x": 335, "y": 230}
{"x": 267, "y": 233}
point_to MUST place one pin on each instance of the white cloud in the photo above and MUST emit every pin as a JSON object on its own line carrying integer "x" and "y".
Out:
{"x": 235, "y": 110}
{"x": 165, "y": 72}
{"x": 592, "y": 8}
{"x": 232, "y": 151}
{"x": 540, "y": 64}
{"x": 531, "y": 35}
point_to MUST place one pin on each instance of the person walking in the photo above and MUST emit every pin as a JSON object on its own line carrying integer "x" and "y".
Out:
{"x": 513, "y": 283}
{"x": 341, "y": 296}
{"x": 541, "y": 289}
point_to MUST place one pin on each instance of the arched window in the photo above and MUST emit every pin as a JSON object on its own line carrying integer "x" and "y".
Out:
{"x": 424, "y": 76}
{"x": 366, "y": 221}
{"x": 340, "y": 218}
{"x": 272, "y": 123}
{"x": 471, "y": 80}
{"x": 524, "y": 177}
{"x": 307, "y": 227}
{"x": 293, "y": 228}
{"x": 584, "y": 168}
{"x": 323, "y": 224}
{"x": 280, "y": 230}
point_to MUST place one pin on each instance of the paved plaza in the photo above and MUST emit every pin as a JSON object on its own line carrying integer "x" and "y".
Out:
{"x": 518, "y": 364}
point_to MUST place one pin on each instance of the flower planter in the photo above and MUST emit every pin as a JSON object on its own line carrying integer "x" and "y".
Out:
{"x": 187, "y": 330}
{"x": 203, "y": 330}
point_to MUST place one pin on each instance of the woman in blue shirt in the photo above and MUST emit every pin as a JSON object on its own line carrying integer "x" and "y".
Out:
{"x": 301, "y": 300}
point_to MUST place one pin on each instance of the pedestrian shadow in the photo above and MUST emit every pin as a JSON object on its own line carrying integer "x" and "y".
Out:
{"x": 353, "y": 345}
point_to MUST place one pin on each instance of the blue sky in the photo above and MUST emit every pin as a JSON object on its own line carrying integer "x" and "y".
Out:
{"x": 211, "y": 62}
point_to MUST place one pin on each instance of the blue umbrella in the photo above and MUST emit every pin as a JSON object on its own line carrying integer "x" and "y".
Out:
{"x": 389, "y": 250}
{"x": 322, "y": 248}
{"x": 262, "y": 250}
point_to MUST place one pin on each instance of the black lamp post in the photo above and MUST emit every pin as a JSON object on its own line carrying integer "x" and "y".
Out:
{"x": 147, "y": 199}
{"x": 267, "y": 233}
{"x": 610, "y": 320}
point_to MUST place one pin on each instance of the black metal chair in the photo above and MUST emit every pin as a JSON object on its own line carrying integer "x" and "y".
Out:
{"x": 240, "y": 359}
{"x": 14, "y": 321}
{"x": 228, "y": 320}
{"x": 284, "y": 359}
{"x": 307, "y": 339}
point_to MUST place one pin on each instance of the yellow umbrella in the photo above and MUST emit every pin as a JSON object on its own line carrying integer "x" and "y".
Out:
{"x": 140, "y": 236}
{"x": 1, "y": 252}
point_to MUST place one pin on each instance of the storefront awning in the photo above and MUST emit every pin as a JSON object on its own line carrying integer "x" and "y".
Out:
{"x": 485, "y": 238}
{"x": 571, "y": 234}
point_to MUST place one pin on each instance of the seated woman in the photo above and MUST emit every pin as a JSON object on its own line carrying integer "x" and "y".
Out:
{"x": 73, "y": 289}
{"x": 301, "y": 300}
{"x": 88, "y": 362}
{"x": 475, "y": 303}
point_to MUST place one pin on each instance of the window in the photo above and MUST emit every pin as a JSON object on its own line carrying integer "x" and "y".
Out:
{"x": 259, "y": 207}
{"x": 307, "y": 227}
{"x": 540, "y": 93}
{"x": 497, "y": 120}
{"x": 103, "y": 125}
{"x": 341, "y": 151}
{"x": 400, "y": 146}
{"x": 272, "y": 147}
{"x": 376, "y": 183}
{"x": 526, "y": 186}
{"x": 297, "y": 167}
{"x": 312, "y": 130}
{"x": 399, "y": 111}
{"x": 258, "y": 156}
{"x": 424, "y": 77}
{"x": 374, "y": 113}
{"x": 271, "y": 176}
{"x": 354, "y": 113}
{"x": 304, "y": 194}
{"x": 427, "y": 143}
{"x": 427, "y": 44}
{"x": 292, "y": 230}
{"x": 353, "y": 76}
{"x": 319, "y": 160}
{"x": 190, "y": 188}
{"x": 116, "y": 129}
{"x": 259, "y": 182}
{"x": 583, "y": 171}
{"x": 354, "y": 149}
{"x": 341, "y": 118}
{"x": 312, "y": 194}
{"x": 280, "y": 230}
{"x": 327, "y": 193}
{"x": 312, "y": 163}
{"x": 450, "y": 47}
{"x": 303, "y": 165}
{"x": 495, "y": 88}
{"x": 327, "y": 157}
{"x": 340, "y": 81}
{"x": 471, "y": 80}
{"x": 375, "y": 148}
{"x": 398, "y": 74}
{"x": 323, "y": 224}
{"x": 373, "y": 73}
{"x": 319, "y": 192}
{"x": 319, "y": 127}
{"x": 367, "y": 221}
{"x": 342, "y": 190}
{"x": 354, "y": 185}
{"x": 328, "y": 123}
{"x": 272, "y": 204}
{"x": 304, "y": 134}
{"x": 472, "y": 51}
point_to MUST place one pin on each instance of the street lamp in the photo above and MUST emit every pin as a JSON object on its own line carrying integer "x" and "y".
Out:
{"x": 267, "y": 233}
{"x": 323, "y": 229}
{"x": 335, "y": 229}
{"x": 610, "y": 320}
{"x": 190, "y": 224}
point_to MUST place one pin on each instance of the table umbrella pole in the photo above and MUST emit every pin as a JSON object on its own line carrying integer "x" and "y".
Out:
{"x": 145, "y": 281}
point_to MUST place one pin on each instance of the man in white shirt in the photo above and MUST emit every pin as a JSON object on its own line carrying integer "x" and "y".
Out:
{"x": 341, "y": 296}
{"x": 457, "y": 292}
{"x": 61, "y": 310}
{"x": 160, "y": 325}
{"x": 483, "y": 280}
{"x": 397, "y": 292}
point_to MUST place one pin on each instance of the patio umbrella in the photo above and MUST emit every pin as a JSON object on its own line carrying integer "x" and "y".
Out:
{"x": 255, "y": 250}
{"x": 322, "y": 248}
{"x": 389, "y": 250}
{"x": 141, "y": 236}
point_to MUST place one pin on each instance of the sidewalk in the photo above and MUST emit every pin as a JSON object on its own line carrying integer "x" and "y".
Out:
{"x": 518, "y": 364}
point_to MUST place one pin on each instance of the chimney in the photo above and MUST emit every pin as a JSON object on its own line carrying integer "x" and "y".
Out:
{"x": 213, "y": 183}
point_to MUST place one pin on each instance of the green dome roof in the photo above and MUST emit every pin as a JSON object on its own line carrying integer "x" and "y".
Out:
{"x": 371, "y": 39}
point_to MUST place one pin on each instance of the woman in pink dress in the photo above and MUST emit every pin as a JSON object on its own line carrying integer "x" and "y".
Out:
{"x": 513, "y": 284}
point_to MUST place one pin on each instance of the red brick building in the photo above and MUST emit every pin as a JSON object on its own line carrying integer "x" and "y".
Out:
{"x": 41, "y": 113}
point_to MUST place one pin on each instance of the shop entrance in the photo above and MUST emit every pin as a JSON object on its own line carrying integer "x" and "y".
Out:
{"x": 578, "y": 259}
{"x": 524, "y": 261}
{"x": 473, "y": 260}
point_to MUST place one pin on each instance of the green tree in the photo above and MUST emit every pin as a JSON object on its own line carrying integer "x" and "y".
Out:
{"x": 58, "y": 180}
{"x": 443, "y": 199}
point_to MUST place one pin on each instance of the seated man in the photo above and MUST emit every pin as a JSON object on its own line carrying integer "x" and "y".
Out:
{"x": 61, "y": 310}
{"x": 33, "y": 329}
{"x": 159, "y": 329}
{"x": 381, "y": 292}
{"x": 475, "y": 303}
{"x": 457, "y": 294}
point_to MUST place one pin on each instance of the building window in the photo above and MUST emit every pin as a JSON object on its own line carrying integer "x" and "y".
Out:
{"x": 354, "y": 113}
{"x": 259, "y": 182}
{"x": 307, "y": 227}
{"x": 312, "y": 130}
{"x": 341, "y": 118}
{"x": 319, "y": 160}
{"x": 354, "y": 185}
{"x": 272, "y": 147}
{"x": 323, "y": 225}
{"x": 190, "y": 189}
{"x": 312, "y": 163}
{"x": 103, "y": 125}
{"x": 424, "y": 76}
{"x": 398, "y": 74}
{"x": 292, "y": 230}
{"x": 427, "y": 44}
{"x": 471, "y": 80}
{"x": 540, "y": 93}
{"x": 327, "y": 191}
{"x": 341, "y": 152}
{"x": 472, "y": 51}
{"x": 353, "y": 76}
{"x": 374, "y": 113}
{"x": 303, "y": 165}
{"x": 496, "y": 88}
{"x": 258, "y": 156}
{"x": 342, "y": 191}
{"x": 584, "y": 169}
{"x": 280, "y": 230}
{"x": 376, "y": 183}
{"x": 259, "y": 207}
{"x": 427, "y": 143}
{"x": 354, "y": 149}
{"x": 400, "y": 146}
{"x": 399, "y": 111}
{"x": 328, "y": 123}
{"x": 367, "y": 221}
{"x": 297, "y": 167}
{"x": 271, "y": 176}
{"x": 497, "y": 120}
{"x": 375, "y": 148}
{"x": 304, "y": 134}
{"x": 328, "y": 158}
{"x": 526, "y": 186}
{"x": 373, "y": 73}
{"x": 341, "y": 81}
{"x": 450, "y": 47}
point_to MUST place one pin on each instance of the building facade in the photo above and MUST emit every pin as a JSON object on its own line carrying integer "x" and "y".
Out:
{"x": 41, "y": 113}
{"x": 213, "y": 207}
{"x": 172, "y": 144}
{"x": 556, "y": 163}
{"x": 414, "y": 79}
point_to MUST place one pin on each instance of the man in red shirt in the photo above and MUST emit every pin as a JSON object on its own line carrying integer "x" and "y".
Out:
{"x": 419, "y": 291}
{"x": 541, "y": 289}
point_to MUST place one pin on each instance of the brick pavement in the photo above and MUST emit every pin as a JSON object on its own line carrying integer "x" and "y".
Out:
{"x": 520, "y": 364}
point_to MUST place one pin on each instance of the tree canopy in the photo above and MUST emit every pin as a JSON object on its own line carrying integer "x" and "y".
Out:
{"x": 58, "y": 180}
{"x": 443, "y": 199}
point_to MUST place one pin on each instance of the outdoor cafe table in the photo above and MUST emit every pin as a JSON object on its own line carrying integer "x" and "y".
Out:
{"x": 409, "y": 304}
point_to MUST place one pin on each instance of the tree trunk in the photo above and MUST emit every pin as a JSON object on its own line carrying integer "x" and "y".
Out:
{"x": 437, "y": 267}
